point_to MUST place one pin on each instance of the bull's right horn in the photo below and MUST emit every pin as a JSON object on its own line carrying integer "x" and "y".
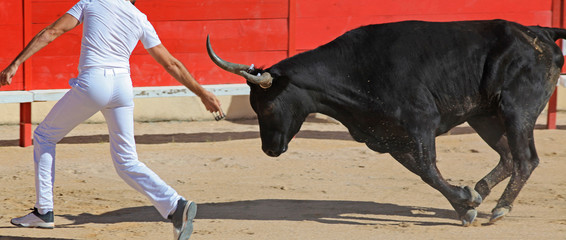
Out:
{"x": 228, "y": 66}
{"x": 263, "y": 81}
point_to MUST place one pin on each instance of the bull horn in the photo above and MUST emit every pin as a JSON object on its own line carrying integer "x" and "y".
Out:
{"x": 263, "y": 81}
{"x": 228, "y": 66}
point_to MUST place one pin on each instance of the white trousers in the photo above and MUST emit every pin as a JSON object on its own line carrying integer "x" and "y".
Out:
{"x": 109, "y": 91}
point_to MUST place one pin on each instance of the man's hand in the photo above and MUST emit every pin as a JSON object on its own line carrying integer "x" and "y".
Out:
{"x": 213, "y": 105}
{"x": 7, "y": 75}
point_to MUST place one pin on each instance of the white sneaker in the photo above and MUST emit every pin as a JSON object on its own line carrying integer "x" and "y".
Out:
{"x": 34, "y": 219}
{"x": 182, "y": 219}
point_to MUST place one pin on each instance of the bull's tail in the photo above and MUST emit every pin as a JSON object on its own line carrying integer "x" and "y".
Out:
{"x": 555, "y": 33}
{"x": 559, "y": 33}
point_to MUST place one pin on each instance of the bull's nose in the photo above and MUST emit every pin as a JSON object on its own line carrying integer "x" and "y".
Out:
{"x": 272, "y": 153}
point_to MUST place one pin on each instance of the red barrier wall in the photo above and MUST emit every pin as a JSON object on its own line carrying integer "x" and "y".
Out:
{"x": 11, "y": 29}
{"x": 246, "y": 31}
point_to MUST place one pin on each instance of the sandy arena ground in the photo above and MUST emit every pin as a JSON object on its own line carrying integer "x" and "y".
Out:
{"x": 325, "y": 187}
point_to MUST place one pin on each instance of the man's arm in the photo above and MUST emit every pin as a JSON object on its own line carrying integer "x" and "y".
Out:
{"x": 42, "y": 39}
{"x": 176, "y": 69}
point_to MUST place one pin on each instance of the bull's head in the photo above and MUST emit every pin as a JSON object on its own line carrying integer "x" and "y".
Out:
{"x": 278, "y": 107}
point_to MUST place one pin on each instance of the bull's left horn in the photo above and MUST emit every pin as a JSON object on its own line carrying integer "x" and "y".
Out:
{"x": 263, "y": 81}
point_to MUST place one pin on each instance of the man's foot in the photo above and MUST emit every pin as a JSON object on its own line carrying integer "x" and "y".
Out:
{"x": 182, "y": 219}
{"x": 34, "y": 219}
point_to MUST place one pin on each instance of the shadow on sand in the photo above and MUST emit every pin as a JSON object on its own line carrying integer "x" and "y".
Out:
{"x": 323, "y": 211}
{"x": 227, "y": 136}
{"x": 32, "y": 238}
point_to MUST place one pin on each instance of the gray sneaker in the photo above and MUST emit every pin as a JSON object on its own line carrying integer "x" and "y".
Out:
{"x": 34, "y": 219}
{"x": 182, "y": 219}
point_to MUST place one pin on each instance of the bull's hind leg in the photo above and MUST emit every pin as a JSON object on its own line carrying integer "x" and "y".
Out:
{"x": 519, "y": 117}
{"x": 422, "y": 161}
{"x": 491, "y": 130}
{"x": 525, "y": 160}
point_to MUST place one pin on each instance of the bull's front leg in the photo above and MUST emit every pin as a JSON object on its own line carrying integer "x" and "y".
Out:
{"x": 422, "y": 161}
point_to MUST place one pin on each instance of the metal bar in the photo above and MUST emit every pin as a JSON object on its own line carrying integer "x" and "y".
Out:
{"x": 25, "y": 108}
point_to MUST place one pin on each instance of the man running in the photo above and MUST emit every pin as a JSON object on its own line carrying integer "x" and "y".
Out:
{"x": 111, "y": 30}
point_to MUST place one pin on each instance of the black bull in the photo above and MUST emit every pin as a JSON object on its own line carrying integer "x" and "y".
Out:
{"x": 397, "y": 86}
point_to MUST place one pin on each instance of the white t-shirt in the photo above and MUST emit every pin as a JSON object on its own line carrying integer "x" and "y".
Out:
{"x": 111, "y": 31}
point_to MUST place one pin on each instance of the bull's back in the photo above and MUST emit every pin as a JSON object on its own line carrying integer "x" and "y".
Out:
{"x": 419, "y": 75}
{"x": 416, "y": 68}
{"x": 448, "y": 58}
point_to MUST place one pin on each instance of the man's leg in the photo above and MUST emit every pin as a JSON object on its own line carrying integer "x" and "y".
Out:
{"x": 67, "y": 113}
{"x": 123, "y": 150}
{"x": 129, "y": 168}
{"x": 119, "y": 117}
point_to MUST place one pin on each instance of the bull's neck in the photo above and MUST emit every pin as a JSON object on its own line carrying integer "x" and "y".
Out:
{"x": 335, "y": 99}
{"x": 330, "y": 91}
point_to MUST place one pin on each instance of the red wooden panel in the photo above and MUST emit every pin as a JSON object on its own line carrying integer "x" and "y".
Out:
{"x": 341, "y": 8}
{"x": 178, "y": 10}
{"x": 10, "y": 12}
{"x": 159, "y": 10}
{"x": 313, "y": 32}
{"x": 27, "y": 66}
{"x": 11, "y": 42}
{"x": 236, "y": 35}
{"x": 47, "y": 11}
{"x": 146, "y": 71}
{"x": 232, "y": 35}
{"x": 292, "y": 26}
{"x": 69, "y": 44}
{"x": 58, "y": 62}
{"x": 11, "y": 30}
{"x": 54, "y": 72}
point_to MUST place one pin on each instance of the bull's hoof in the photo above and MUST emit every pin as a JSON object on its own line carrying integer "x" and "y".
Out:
{"x": 465, "y": 207}
{"x": 475, "y": 198}
{"x": 469, "y": 217}
{"x": 498, "y": 214}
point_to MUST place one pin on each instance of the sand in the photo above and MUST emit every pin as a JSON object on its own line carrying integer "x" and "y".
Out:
{"x": 325, "y": 187}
